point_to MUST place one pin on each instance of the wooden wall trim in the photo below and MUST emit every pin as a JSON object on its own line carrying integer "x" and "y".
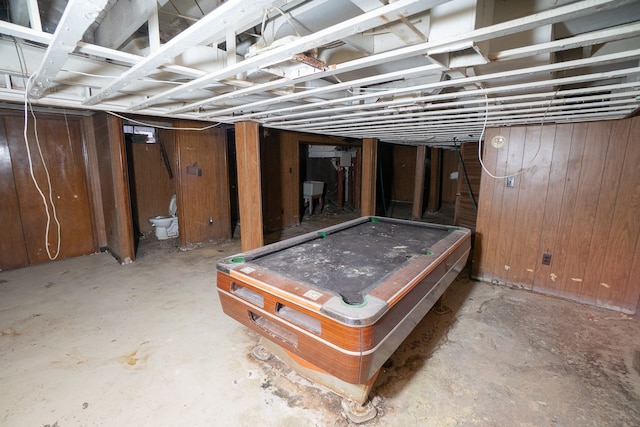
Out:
{"x": 418, "y": 182}
{"x": 468, "y": 186}
{"x": 93, "y": 182}
{"x": 115, "y": 187}
{"x": 369, "y": 164}
{"x": 433, "y": 204}
{"x": 249, "y": 186}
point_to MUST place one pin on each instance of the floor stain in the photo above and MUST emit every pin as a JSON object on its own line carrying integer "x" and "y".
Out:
{"x": 9, "y": 332}
{"x": 130, "y": 359}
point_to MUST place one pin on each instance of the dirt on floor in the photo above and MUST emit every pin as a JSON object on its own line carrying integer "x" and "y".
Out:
{"x": 86, "y": 341}
{"x": 499, "y": 357}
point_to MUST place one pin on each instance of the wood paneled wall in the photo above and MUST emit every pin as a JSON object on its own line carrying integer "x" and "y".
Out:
{"x": 449, "y": 186}
{"x": 114, "y": 183}
{"x": 281, "y": 192}
{"x": 403, "y": 173}
{"x": 61, "y": 145}
{"x": 13, "y": 251}
{"x": 468, "y": 185}
{"x": 577, "y": 199}
{"x": 204, "y": 211}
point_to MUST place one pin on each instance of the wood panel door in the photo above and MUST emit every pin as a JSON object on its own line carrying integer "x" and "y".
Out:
{"x": 204, "y": 211}
{"x": 59, "y": 143}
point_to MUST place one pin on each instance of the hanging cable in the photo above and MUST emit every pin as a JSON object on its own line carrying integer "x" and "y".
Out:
{"x": 484, "y": 127}
{"x": 27, "y": 108}
{"x": 160, "y": 126}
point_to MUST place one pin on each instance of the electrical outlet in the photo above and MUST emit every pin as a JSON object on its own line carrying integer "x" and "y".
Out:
{"x": 546, "y": 258}
{"x": 511, "y": 181}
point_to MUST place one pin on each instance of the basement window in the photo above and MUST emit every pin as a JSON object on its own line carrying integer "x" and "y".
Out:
{"x": 140, "y": 134}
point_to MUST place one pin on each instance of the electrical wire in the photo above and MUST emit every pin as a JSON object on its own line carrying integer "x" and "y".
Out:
{"x": 153, "y": 125}
{"x": 484, "y": 127}
{"x": 27, "y": 107}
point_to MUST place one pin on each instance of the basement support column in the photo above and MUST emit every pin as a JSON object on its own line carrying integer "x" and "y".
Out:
{"x": 249, "y": 187}
{"x": 418, "y": 182}
{"x": 434, "y": 182}
{"x": 369, "y": 170}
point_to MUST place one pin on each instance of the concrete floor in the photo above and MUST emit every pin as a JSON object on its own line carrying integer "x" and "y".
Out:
{"x": 88, "y": 342}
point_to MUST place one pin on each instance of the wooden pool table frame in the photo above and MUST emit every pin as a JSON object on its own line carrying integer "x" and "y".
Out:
{"x": 346, "y": 342}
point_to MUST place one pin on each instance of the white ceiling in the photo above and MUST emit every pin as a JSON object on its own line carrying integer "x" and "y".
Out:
{"x": 407, "y": 71}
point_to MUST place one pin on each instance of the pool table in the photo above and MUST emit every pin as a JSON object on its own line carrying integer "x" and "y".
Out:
{"x": 339, "y": 301}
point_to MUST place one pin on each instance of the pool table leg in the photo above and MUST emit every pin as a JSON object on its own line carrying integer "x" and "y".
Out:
{"x": 356, "y": 394}
{"x": 439, "y": 307}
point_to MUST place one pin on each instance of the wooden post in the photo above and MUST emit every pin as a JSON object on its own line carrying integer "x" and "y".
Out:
{"x": 249, "y": 187}
{"x": 434, "y": 183}
{"x": 369, "y": 168}
{"x": 418, "y": 183}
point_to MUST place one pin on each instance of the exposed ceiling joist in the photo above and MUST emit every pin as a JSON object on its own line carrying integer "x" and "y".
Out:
{"x": 276, "y": 55}
{"x": 409, "y": 71}
{"x": 438, "y": 46}
{"x": 76, "y": 19}
{"x": 233, "y": 13}
{"x": 479, "y": 80}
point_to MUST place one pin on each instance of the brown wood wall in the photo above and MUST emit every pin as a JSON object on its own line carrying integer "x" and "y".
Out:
{"x": 449, "y": 186}
{"x": 114, "y": 184}
{"x": 403, "y": 173}
{"x": 578, "y": 199}
{"x": 13, "y": 251}
{"x": 204, "y": 210}
{"x": 281, "y": 175}
{"x": 466, "y": 206}
{"x": 281, "y": 193}
{"x": 24, "y": 216}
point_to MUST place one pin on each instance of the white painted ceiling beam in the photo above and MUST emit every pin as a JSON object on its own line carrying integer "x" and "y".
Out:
{"x": 383, "y": 78}
{"x": 478, "y": 120}
{"x": 617, "y": 33}
{"x": 77, "y": 17}
{"x": 439, "y": 46}
{"x": 25, "y": 33}
{"x": 233, "y": 13}
{"x": 588, "y": 39}
{"x": 482, "y": 79}
{"x": 341, "y": 30}
{"x": 34, "y": 15}
{"x": 463, "y": 130}
{"x": 444, "y": 101}
{"x": 523, "y": 87}
{"x": 477, "y": 117}
{"x": 153, "y": 26}
{"x": 469, "y": 112}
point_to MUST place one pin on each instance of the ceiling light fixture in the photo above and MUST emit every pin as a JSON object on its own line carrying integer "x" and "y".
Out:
{"x": 498, "y": 141}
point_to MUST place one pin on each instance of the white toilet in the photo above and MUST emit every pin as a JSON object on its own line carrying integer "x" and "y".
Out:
{"x": 167, "y": 226}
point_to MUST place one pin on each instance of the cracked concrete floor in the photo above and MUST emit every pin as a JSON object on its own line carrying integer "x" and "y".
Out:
{"x": 88, "y": 342}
